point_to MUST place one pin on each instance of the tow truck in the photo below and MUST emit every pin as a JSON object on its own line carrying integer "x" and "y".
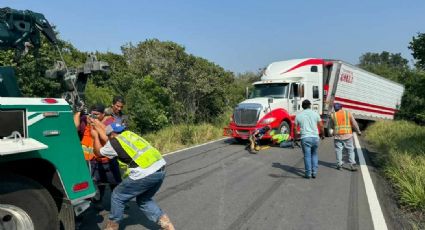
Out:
{"x": 44, "y": 180}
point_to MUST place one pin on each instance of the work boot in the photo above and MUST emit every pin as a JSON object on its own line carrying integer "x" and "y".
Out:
{"x": 165, "y": 223}
{"x": 111, "y": 225}
{"x": 353, "y": 167}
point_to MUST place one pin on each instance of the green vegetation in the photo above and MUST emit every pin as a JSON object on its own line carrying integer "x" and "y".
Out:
{"x": 181, "y": 136}
{"x": 401, "y": 157}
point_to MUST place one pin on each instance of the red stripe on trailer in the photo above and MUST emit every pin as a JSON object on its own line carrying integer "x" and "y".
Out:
{"x": 366, "y": 109}
{"x": 364, "y": 104}
{"x": 305, "y": 63}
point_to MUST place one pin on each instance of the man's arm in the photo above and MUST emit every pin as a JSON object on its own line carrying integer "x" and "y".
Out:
{"x": 96, "y": 142}
{"x": 77, "y": 119}
{"x": 100, "y": 128}
{"x": 321, "y": 127}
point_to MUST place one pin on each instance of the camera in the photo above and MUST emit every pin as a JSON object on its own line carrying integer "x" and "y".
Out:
{"x": 94, "y": 116}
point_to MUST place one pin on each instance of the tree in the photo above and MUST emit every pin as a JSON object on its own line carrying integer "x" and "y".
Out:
{"x": 417, "y": 46}
{"x": 148, "y": 105}
{"x": 389, "y": 65}
{"x": 197, "y": 86}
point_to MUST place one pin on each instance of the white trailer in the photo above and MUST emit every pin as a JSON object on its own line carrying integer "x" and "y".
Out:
{"x": 366, "y": 95}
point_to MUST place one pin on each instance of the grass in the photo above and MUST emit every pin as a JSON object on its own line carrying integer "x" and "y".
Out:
{"x": 181, "y": 136}
{"x": 401, "y": 157}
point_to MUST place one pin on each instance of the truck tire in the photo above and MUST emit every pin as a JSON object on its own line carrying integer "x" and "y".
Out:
{"x": 67, "y": 216}
{"x": 25, "y": 204}
{"x": 284, "y": 128}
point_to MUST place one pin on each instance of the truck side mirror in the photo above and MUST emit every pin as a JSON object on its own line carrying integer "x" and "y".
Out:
{"x": 270, "y": 100}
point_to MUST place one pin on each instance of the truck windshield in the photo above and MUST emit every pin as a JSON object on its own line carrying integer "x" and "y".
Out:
{"x": 270, "y": 90}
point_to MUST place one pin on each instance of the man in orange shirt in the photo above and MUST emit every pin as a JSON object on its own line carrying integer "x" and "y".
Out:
{"x": 103, "y": 170}
{"x": 343, "y": 123}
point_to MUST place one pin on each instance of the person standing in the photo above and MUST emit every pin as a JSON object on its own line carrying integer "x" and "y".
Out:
{"x": 343, "y": 123}
{"x": 308, "y": 121}
{"x": 146, "y": 174}
{"x": 114, "y": 113}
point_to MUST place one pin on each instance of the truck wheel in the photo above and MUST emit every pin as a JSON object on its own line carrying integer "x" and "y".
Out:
{"x": 284, "y": 128}
{"x": 66, "y": 216}
{"x": 25, "y": 204}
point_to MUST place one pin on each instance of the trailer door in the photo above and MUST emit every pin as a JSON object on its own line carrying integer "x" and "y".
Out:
{"x": 316, "y": 104}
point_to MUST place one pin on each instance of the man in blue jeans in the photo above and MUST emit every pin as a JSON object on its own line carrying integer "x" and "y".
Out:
{"x": 146, "y": 174}
{"x": 308, "y": 121}
{"x": 343, "y": 124}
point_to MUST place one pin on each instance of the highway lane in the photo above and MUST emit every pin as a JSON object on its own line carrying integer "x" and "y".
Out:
{"x": 222, "y": 186}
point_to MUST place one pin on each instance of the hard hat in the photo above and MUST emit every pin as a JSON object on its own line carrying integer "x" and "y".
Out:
{"x": 337, "y": 106}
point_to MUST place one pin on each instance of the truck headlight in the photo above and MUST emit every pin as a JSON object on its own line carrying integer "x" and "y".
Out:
{"x": 268, "y": 120}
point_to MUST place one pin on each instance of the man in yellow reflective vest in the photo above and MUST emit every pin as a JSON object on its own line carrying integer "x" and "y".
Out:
{"x": 343, "y": 123}
{"x": 146, "y": 174}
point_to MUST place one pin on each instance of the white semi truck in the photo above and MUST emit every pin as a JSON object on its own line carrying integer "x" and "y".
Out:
{"x": 276, "y": 99}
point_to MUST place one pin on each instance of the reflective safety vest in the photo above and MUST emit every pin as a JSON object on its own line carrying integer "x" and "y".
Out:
{"x": 278, "y": 138}
{"x": 342, "y": 122}
{"x": 87, "y": 144}
{"x": 138, "y": 150}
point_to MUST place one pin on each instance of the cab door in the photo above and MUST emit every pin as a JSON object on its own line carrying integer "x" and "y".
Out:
{"x": 296, "y": 94}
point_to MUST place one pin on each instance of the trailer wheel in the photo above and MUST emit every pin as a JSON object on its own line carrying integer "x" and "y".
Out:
{"x": 284, "y": 128}
{"x": 25, "y": 204}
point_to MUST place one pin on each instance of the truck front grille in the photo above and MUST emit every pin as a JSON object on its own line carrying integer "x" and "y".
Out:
{"x": 247, "y": 116}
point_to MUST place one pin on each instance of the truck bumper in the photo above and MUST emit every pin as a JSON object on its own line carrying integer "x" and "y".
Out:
{"x": 241, "y": 132}
{"x": 81, "y": 206}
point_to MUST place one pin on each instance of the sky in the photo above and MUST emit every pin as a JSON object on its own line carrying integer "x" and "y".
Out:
{"x": 239, "y": 35}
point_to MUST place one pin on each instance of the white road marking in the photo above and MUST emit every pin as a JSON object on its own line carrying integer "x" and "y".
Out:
{"x": 374, "y": 206}
{"x": 196, "y": 146}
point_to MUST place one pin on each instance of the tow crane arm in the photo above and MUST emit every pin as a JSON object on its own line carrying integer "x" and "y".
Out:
{"x": 20, "y": 30}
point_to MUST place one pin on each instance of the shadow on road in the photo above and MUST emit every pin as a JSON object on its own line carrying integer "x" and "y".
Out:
{"x": 327, "y": 164}
{"x": 299, "y": 172}
{"x": 93, "y": 219}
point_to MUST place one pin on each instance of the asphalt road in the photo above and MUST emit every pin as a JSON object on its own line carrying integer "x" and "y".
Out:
{"x": 222, "y": 186}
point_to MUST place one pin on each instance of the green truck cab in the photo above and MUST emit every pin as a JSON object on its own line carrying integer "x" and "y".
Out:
{"x": 44, "y": 179}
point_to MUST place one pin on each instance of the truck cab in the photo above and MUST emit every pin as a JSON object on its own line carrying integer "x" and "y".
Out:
{"x": 276, "y": 99}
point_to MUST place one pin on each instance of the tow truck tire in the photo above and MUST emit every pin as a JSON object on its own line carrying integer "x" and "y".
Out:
{"x": 284, "y": 126}
{"x": 67, "y": 216}
{"x": 31, "y": 198}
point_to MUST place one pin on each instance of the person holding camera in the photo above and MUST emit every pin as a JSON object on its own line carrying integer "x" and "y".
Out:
{"x": 104, "y": 171}
{"x": 308, "y": 121}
